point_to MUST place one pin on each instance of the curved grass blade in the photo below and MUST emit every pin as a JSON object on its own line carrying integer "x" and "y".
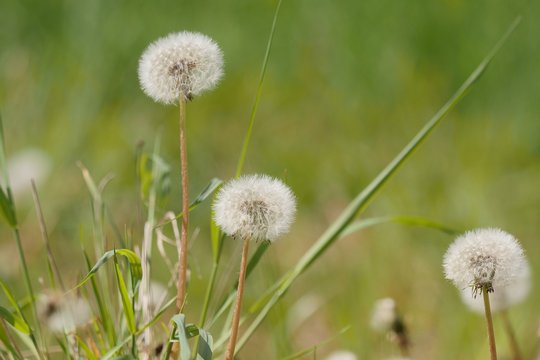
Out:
{"x": 205, "y": 193}
{"x": 8, "y": 342}
{"x": 89, "y": 354}
{"x": 179, "y": 320}
{"x": 131, "y": 257}
{"x": 400, "y": 219}
{"x": 360, "y": 202}
{"x": 14, "y": 320}
{"x": 204, "y": 347}
{"x": 314, "y": 348}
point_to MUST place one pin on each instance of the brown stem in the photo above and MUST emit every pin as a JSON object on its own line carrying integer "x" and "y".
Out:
{"x": 516, "y": 354}
{"x": 182, "y": 251}
{"x": 489, "y": 323}
{"x": 239, "y": 293}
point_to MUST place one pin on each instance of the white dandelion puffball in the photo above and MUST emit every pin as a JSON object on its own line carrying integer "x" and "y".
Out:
{"x": 180, "y": 64}
{"x": 256, "y": 207}
{"x": 63, "y": 313}
{"x": 341, "y": 355}
{"x": 505, "y": 296}
{"x": 384, "y": 314}
{"x": 481, "y": 258}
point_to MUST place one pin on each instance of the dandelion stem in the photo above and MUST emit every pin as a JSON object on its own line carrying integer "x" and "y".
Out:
{"x": 516, "y": 354}
{"x": 182, "y": 251}
{"x": 240, "y": 292}
{"x": 489, "y": 323}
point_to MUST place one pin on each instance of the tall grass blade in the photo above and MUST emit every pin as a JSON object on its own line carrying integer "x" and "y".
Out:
{"x": 360, "y": 202}
{"x": 126, "y": 299}
{"x": 243, "y": 153}
{"x": 14, "y": 320}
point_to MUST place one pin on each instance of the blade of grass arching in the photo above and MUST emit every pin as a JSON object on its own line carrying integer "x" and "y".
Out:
{"x": 51, "y": 261}
{"x": 179, "y": 321}
{"x": 314, "y": 348}
{"x": 14, "y": 320}
{"x": 205, "y": 193}
{"x": 29, "y": 343}
{"x": 8, "y": 341}
{"x": 130, "y": 256}
{"x": 361, "y": 201}
{"x": 106, "y": 319}
{"x": 400, "y": 219}
{"x": 243, "y": 153}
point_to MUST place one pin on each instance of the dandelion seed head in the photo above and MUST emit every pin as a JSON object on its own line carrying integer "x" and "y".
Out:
{"x": 481, "y": 258}
{"x": 341, "y": 355}
{"x": 180, "y": 64}
{"x": 63, "y": 313}
{"x": 505, "y": 296}
{"x": 257, "y": 207}
{"x": 384, "y": 315}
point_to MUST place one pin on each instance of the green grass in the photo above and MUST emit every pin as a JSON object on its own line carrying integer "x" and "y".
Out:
{"x": 345, "y": 86}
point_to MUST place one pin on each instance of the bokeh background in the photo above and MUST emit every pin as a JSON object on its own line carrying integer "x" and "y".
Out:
{"x": 348, "y": 84}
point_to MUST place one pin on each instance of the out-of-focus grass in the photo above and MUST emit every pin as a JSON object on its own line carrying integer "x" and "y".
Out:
{"x": 348, "y": 84}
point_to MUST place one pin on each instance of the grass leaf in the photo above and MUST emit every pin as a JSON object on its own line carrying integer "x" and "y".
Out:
{"x": 185, "y": 352}
{"x": 14, "y": 320}
{"x": 204, "y": 347}
{"x": 126, "y": 299}
{"x": 132, "y": 258}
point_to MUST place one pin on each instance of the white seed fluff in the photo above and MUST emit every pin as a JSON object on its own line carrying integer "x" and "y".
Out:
{"x": 384, "y": 315}
{"x": 341, "y": 355}
{"x": 484, "y": 257}
{"x": 63, "y": 313}
{"x": 505, "y": 296}
{"x": 257, "y": 207}
{"x": 180, "y": 64}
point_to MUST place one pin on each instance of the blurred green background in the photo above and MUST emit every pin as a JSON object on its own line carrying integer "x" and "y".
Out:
{"x": 348, "y": 84}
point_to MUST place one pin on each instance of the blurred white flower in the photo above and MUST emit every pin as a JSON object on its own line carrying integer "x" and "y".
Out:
{"x": 26, "y": 165}
{"x": 341, "y": 355}
{"x": 504, "y": 296}
{"x": 180, "y": 64}
{"x": 256, "y": 207}
{"x": 63, "y": 313}
{"x": 484, "y": 257}
{"x": 384, "y": 315}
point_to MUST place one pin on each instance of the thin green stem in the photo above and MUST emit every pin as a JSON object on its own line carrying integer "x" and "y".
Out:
{"x": 489, "y": 323}
{"x": 245, "y": 146}
{"x": 237, "y": 308}
{"x": 28, "y": 286}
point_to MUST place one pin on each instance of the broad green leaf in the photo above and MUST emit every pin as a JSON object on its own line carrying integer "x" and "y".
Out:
{"x": 131, "y": 257}
{"x": 360, "y": 202}
{"x": 185, "y": 352}
{"x": 126, "y": 299}
{"x": 14, "y": 320}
